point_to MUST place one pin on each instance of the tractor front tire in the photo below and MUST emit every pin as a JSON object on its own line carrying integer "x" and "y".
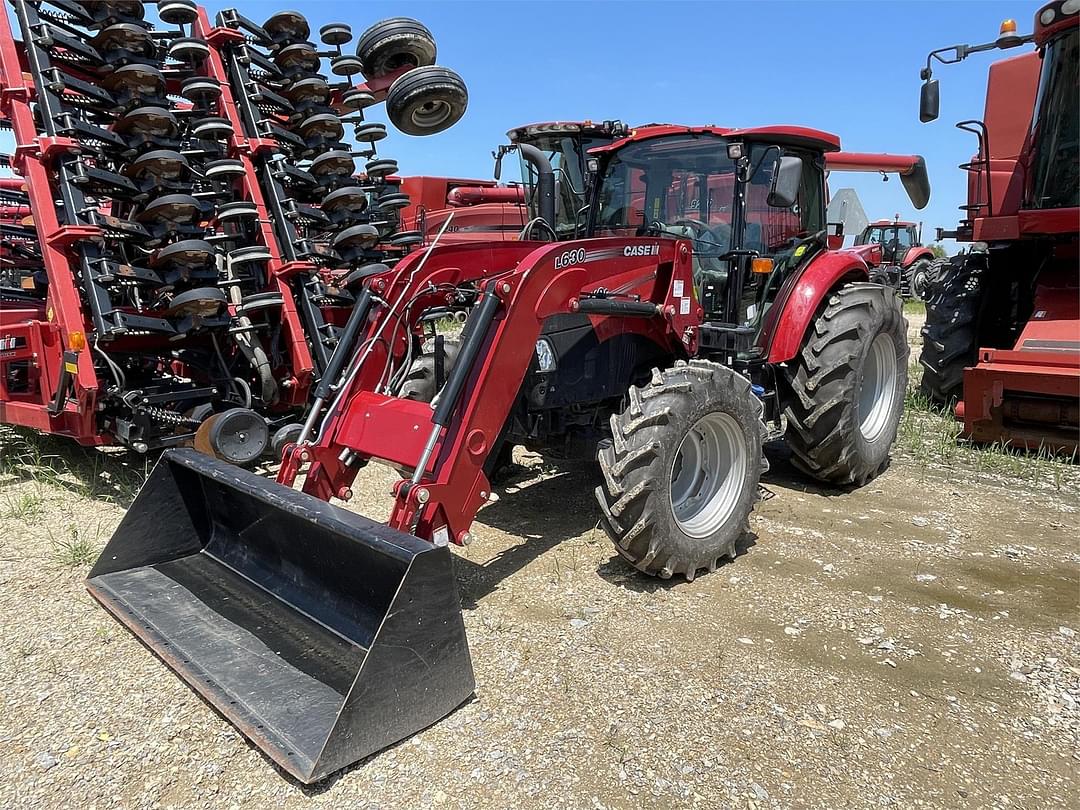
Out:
{"x": 918, "y": 279}
{"x": 954, "y": 304}
{"x": 847, "y": 386}
{"x": 681, "y": 470}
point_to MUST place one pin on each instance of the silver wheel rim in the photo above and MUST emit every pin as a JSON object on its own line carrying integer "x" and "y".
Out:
{"x": 918, "y": 284}
{"x": 707, "y": 474}
{"x": 878, "y": 391}
{"x": 431, "y": 114}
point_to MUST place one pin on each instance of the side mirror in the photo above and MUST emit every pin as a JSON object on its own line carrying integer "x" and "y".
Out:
{"x": 929, "y": 101}
{"x": 786, "y": 180}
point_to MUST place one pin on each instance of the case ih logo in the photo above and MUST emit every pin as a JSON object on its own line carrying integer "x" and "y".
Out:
{"x": 641, "y": 250}
{"x": 8, "y": 344}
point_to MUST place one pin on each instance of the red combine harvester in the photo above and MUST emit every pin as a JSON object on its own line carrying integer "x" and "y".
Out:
{"x": 698, "y": 305}
{"x": 1002, "y": 330}
{"x": 905, "y": 261}
{"x": 182, "y": 243}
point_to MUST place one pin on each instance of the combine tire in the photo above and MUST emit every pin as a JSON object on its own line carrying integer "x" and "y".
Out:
{"x": 681, "y": 471}
{"x": 950, "y": 335}
{"x": 847, "y": 386}
{"x": 426, "y": 100}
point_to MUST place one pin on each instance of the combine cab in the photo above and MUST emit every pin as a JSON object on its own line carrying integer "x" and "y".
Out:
{"x": 1002, "y": 334}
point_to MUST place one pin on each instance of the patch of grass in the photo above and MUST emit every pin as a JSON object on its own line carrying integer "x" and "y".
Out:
{"x": 102, "y": 474}
{"x": 74, "y": 549}
{"x": 914, "y": 307}
{"x": 932, "y": 436}
{"x": 20, "y": 507}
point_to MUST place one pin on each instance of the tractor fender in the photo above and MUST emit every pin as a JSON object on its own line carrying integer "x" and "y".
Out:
{"x": 916, "y": 253}
{"x": 801, "y": 298}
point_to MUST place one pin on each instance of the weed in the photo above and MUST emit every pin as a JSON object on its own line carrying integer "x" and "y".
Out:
{"x": 74, "y": 548}
{"x": 23, "y": 506}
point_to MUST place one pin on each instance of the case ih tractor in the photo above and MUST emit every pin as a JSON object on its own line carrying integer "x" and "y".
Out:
{"x": 179, "y": 250}
{"x": 1002, "y": 332}
{"x": 905, "y": 261}
{"x": 699, "y": 306}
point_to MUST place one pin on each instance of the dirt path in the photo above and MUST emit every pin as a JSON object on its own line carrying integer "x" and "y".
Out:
{"x": 909, "y": 644}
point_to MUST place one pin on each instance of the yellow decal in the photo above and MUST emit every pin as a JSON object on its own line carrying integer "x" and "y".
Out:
{"x": 49, "y": 314}
{"x": 800, "y": 250}
{"x": 71, "y": 368}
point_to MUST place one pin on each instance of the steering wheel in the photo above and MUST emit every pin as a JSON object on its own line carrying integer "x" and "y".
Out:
{"x": 718, "y": 236}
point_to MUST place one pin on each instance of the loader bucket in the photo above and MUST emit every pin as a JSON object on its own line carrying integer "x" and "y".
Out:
{"x": 323, "y": 636}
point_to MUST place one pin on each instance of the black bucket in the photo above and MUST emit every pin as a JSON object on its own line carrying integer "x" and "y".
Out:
{"x": 322, "y": 635}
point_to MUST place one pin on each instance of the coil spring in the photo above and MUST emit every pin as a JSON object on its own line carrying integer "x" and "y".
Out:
{"x": 167, "y": 417}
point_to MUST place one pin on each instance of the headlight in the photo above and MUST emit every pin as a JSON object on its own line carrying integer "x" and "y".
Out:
{"x": 545, "y": 355}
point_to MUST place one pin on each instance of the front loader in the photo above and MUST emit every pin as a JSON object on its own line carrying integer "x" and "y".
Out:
{"x": 702, "y": 310}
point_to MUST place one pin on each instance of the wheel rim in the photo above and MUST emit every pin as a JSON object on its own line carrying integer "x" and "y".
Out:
{"x": 707, "y": 474}
{"x": 918, "y": 284}
{"x": 878, "y": 391}
{"x": 431, "y": 114}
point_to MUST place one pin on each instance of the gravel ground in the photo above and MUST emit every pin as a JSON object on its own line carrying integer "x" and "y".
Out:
{"x": 913, "y": 643}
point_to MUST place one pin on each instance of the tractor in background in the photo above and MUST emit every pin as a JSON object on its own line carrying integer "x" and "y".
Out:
{"x": 905, "y": 261}
{"x": 1002, "y": 333}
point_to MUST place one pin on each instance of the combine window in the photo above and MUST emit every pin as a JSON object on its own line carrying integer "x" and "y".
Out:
{"x": 1056, "y": 127}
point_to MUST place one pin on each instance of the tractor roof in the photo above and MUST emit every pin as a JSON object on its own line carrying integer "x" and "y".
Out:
{"x": 889, "y": 223}
{"x": 804, "y": 137}
{"x": 612, "y": 128}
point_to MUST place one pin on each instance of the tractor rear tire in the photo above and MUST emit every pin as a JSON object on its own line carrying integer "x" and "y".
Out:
{"x": 682, "y": 468}
{"x": 847, "y": 386}
{"x": 950, "y": 336}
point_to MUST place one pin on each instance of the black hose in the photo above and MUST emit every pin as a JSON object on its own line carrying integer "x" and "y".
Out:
{"x": 545, "y": 182}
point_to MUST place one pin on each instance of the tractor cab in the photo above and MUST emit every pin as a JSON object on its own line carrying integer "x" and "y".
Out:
{"x": 751, "y": 203}
{"x": 565, "y": 145}
{"x": 896, "y": 239}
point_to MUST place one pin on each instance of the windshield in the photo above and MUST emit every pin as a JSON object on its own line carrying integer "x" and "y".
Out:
{"x": 685, "y": 186}
{"x": 1056, "y": 126}
{"x": 566, "y": 151}
{"x": 890, "y": 236}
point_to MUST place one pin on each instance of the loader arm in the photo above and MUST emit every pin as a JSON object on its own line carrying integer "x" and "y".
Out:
{"x": 440, "y": 502}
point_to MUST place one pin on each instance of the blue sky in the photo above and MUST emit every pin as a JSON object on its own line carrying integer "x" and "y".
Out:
{"x": 848, "y": 67}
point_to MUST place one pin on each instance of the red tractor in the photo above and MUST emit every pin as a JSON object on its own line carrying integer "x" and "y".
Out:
{"x": 905, "y": 261}
{"x": 1002, "y": 332}
{"x": 699, "y": 312}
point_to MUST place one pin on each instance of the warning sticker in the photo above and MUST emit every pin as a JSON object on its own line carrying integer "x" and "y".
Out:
{"x": 677, "y": 288}
{"x": 684, "y": 306}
